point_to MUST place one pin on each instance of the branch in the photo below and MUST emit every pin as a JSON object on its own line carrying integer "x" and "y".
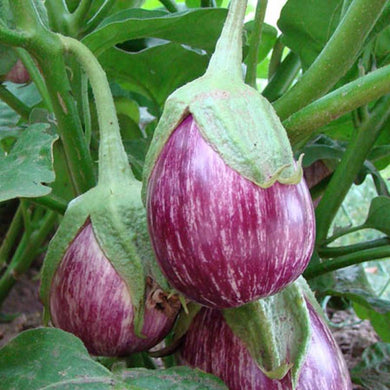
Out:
{"x": 335, "y": 59}
{"x": 357, "y": 93}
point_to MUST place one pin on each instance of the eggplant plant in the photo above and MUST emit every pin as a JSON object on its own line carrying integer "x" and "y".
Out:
{"x": 155, "y": 156}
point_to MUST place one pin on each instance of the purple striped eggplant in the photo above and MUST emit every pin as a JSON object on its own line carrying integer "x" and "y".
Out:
{"x": 221, "y": 239}
{"x": 210, "y": 345}
{"x": 89, "y": 299}
{"x": 230, "y": 216}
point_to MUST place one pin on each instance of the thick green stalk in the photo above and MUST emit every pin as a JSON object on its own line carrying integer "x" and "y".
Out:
{"x": 335, "y": 59}
{"x": 227, "y": 56}
{"x": 113, "y": 160}
{"x": 11, "y": 236}
{"x": 345, "y": 173}
{"x": 329, "y": 252}
{"x": 282, "y": 77}
{"x": 25, "y": 254}
{"x": 347, "y": 260}
{"x": 17, "y": 105}
{"x": 254, "y": 44}
{"x": 350, "y": 96}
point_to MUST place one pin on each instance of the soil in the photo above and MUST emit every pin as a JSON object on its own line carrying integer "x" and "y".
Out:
{"x": 353, "y": 337}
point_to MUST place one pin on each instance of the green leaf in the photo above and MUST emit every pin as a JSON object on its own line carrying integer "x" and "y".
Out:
{"x": 154, "y": 72}
{"x": 307, "y": 25}
{"x": 379, "y": 215}
{"x": 350, "y": 283}
{"x": 51, "y": 358}
{"x": 28, "y": 165}
{"x": 183, "y": 378}
{"x": 379, "y": 321}
{"x": 373, "y": 372}
{"x": 199, "y": 28}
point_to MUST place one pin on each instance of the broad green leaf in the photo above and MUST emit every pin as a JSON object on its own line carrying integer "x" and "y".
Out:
{"x": 379, "y": 321}
{"x": 51, "y": 358}
{"x": 351, "y": 283}
{"x": 307, "y": 25}
{"x": 199, "y": 28}
{"x": 183, "y": 378}
{"x": 373, "y": 372}
{"x": 154, "y": 72}
{"x": 28, "y": 166}
{"x": 379, "y": 214}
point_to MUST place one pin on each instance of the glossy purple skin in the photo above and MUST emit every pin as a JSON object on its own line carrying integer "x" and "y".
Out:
{"x": 220, "y": 239}
{"x": 89, "y": 299}
{"x": 211, "y": 346}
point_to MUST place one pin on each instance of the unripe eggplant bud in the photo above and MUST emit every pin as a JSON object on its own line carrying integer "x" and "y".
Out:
{"x": 18, "y": 73}
{"x": 230, "y": 217}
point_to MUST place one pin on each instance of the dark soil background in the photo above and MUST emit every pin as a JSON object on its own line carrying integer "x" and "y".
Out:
{"x": 23, "y": 301}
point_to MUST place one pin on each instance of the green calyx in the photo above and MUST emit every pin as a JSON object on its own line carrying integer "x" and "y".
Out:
{"x": 118, "y": 220}
{"x": 276, "y": 330}
{"x": 238, "y": 123}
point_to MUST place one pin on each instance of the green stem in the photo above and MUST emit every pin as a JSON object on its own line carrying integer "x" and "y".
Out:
{"x": 335, "y": 59}
{"x": 276, "y": 57}
{"x": 343, "y": 233}
{"x": 48, "y": 51}
{"x": 254, "y": 44}
{"x": 170, "y": 5}
{"x": 227, "y": 56}
{"x": 51, "y": 202}
{"x": 283, "y": 77}
{"x": 25, "y": 254}
{"x": 336, "y": 251}
{"x": 100, "y": 15}
{"x": 207, "y": 3}
{"x": 347, "y": 260}
{"x": 17, "y": 105}
{"x": 350, "y": 96}
{"x": 345, "y": 173}
{"x": 79, "y": 15}
{"x": 36, "y": 76}
{"x": 12, "y": 37}
{"x": 113, "y": 160}
{"x": 86, "y": 109}
{"x": 11, "y": 236}
{"x": 58, "y": 15}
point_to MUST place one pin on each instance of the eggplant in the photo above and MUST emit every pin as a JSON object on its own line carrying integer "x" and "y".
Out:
{"x": 210, "y": 345}
{"x": 219, "y": 238}
{"x": 229, "y": 215}
{"x": 90, "y": 299}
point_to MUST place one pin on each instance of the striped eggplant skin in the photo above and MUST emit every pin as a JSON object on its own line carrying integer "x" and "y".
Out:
{"x": 220, "y": 239}
{"x": 211, "y": 346}
{"x": 89, "y": 299}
